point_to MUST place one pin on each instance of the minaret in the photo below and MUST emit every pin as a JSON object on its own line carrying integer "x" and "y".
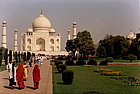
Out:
{"x": 68, "y": 37}
{"x": 4, "y": 27}
{"x": 74, "y": 33}
{"x": 15, "y": 40}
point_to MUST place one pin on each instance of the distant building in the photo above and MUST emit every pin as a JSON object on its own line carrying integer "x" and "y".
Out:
{"x": 131, "y": 36}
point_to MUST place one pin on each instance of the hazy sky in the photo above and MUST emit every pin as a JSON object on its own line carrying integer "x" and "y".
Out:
{"x": 99, "y": 17}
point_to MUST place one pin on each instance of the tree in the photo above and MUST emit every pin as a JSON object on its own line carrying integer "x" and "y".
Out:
{"x": 28, "y": 55}
{"x": 6, "y": 56}
{"x": 0, "y": 57}
{"x": 121, "y": 46}
{"x": 16, "y": 57}
{"x": 10, "y": 55}
{"x": 101, "y": 52}
{"x": 85, "y": 44}
{"x": 19, "y": 57}
{"x": 135, "y": 46}
{"x": 24, "y": 56}
{"x": 105, "y": 47}
{"x": 71, "y": 47}
{"x": 113, "y": 46}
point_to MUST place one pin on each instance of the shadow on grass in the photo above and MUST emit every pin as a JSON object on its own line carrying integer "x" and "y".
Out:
{"x": 61, "y": 83}
{"x": 5, "y": 78}
{"x": 57, "y": 72}
{"x": 30, "y": 87}
{"x": 93, "y": 92}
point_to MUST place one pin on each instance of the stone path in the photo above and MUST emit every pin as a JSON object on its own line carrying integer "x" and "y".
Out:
{"x": 45, "y": 86}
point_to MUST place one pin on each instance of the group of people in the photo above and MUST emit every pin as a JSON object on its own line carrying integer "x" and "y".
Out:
{"x": 33, "y": 60}
{"x": 40, "y": 61}
{"x": 20, "y": 74}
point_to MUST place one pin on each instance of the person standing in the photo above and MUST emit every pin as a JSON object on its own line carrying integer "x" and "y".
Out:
{"x": 41, "y": 60}
{"x": 20, "y": 75}
{"x": 36, "y": 76}
{"x": 30, "y": 61}
{"x": 12, "y": 74}
{"x": 25, "y": 66}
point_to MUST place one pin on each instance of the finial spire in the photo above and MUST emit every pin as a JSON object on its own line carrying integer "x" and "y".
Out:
{"x": 41, "y": 11}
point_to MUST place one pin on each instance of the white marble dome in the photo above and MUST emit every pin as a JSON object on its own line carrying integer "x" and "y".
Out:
{"x": 131, "y": 35}
{"x": 41, "y": 22}
{"x": 52, "y": 30}
{"x": 30, "y": 30}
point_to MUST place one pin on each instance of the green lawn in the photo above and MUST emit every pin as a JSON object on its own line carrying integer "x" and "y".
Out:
{"x": 85, "y": 80}
{"x": 114, "y": 61}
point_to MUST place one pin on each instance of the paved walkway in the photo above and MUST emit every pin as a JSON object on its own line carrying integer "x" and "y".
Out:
{"x": 45, "y": 86}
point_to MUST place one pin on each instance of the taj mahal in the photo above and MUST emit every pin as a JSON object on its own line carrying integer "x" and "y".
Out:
{"x": 41, "y": 38}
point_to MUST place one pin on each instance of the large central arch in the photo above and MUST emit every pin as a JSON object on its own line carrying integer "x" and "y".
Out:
{"x": 40, "y": 44}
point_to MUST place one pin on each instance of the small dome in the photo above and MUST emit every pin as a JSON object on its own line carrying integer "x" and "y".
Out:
{"x": 74, "y": 23}
{"x": 30, "y": 30}
{"x": 131, "y": 35}
{"x": 4, "y": 22}
{"x": 41, "y": 22}
{"x": 52, "y": 30}
{"x": 16, "y": 30}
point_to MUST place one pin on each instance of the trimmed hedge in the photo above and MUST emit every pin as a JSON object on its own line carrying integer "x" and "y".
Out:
{"x": 80, "y": 62}
{"x": 103, "y": 63}
{"x": 69, "y": 62}
{"x": 61, "y": 68}
{"x": 67, "y": 77}
{"x": 57, "y": 64}
{"x": 92, "y": 62}
{"x": 109, "y": 59}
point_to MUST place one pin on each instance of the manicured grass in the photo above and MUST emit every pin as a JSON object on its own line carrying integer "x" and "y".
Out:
{"x": 86, "y": 80}
{"x": 121, "y": 61}
{"x": 114, "y": 61}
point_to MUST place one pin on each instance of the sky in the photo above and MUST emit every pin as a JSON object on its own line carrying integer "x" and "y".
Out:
{"x": 99, "y": 17}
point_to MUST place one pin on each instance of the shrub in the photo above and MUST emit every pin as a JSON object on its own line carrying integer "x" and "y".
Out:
{"x": 109, "y": 59}
{"x": 69, "y": 62}
{"x": 92, "y": 62}
{"x": 55, "y": 60}
{"x": 103, "y": 63}
{"x": 80, "y": 62}
{"x": 132, "y": 57}
{"x": 67, "y": 77}
{"x": 61, "y": 68}
{"x": 57, "y": 63}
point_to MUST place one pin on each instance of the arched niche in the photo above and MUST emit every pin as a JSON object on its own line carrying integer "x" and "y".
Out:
{"x": 29, "y": 41}
{"x": 52, "y": 48}
{"x": 40, "y": 44}
{"x": 52, "y": 41}
{"x": 28, "y": 48}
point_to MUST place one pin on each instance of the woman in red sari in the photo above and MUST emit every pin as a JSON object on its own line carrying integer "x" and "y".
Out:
{"x": 20, "y": 75}
{"x": 36, "y": 76}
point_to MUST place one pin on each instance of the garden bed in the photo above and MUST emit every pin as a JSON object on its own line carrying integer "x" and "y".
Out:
{"x": 86, "y": 81}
